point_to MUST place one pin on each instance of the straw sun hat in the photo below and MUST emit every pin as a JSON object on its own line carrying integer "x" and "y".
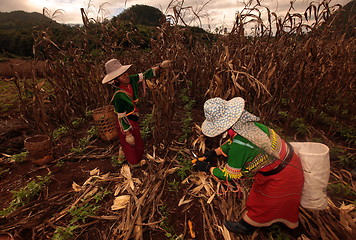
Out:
{"x": 114, "y": 69}
{"x": 221, "y": 115}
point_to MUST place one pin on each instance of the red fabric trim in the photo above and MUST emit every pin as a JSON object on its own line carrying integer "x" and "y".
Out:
{"x": 127, "y": 89}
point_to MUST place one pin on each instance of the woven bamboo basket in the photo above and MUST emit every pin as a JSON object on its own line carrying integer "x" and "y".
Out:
{"x": 39, "y": 149}
{"x": 105, "y": 120}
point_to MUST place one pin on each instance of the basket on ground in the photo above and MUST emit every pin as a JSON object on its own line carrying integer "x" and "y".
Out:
{"x": 39, "y": 149}
{"x": 105, "y": 121}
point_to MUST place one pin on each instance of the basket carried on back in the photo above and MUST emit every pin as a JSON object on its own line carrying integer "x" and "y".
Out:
{"x": 105, "y": 120}
{"x": 39, "y": 149}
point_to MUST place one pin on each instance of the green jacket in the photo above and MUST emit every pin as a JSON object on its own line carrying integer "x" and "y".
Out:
{"x": 239, "y": 151}
{"x": 124, "y": 104}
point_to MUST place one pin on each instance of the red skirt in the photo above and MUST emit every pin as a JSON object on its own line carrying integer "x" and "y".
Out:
{"x": 276, "y": 198}
{"x": 133, "y": 153}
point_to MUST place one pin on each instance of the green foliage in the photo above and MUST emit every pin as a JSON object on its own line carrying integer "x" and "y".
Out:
{"x": 346, "y": 160}
{"x": 77, "y": 122}
{"x": 60, "y": 163}
{"x": 283, "y": 114}
{"x": 64, "y": 233}
{"x": 276, "y": 233}
{"x": 81, "y": 213}
{"x": 99, "y": 196}
{"x": 186, "y": 126}
{"x": 163, "y": 209}
{"x": 171, "y": 236}
{"x": 343, "y": 158}
{"x": 348, "y": 134}
{"x": 62, "y": 130}
{"x": 186, "y": 167}
{"x": 173, "y": 186}
{"x": 3, "y": 59}
{"x": 341, "y": 190}
{"x": 82, "y": 145}
{"x": 8, "y": 97}
{"x": 89, "y": 114}
{"x": 188, "y": 119}
{"x": 285, "y": 101}
{"x": 26, "y": 194}
{"x": 16, "y": 31}
{"x": 3, "y": 171}
{"x": 147, "y": 126}
{"x": 142, "y": 14}
{"x": 116, "y": 161}
{"x": 93, "y": 131}
{"x": 300, "y": 126}
{"x": 323, "y": 117}
{"x": 18, "y": 158}
{"x": 84, "y": 142}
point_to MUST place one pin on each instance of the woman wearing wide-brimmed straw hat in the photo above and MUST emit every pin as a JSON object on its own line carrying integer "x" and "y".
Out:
{"x": 124, "y": 101}
{"x": 254, "y": 148}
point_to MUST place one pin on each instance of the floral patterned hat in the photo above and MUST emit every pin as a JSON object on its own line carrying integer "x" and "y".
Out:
{"x": 221, "y": 115}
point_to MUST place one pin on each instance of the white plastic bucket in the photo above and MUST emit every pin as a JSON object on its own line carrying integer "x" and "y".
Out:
{"x": 315, "y": 161}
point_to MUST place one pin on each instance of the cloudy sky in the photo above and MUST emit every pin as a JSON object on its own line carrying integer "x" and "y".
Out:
{"x": 215, "y": 13}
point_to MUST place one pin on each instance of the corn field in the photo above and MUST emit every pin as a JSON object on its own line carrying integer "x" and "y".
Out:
{"x": 285, "y": 66}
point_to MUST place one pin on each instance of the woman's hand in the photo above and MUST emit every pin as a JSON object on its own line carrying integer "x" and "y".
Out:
{"x": 130, "y": 138}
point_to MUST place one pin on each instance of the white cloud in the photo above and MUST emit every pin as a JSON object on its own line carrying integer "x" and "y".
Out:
{"x": 215, "y": 12}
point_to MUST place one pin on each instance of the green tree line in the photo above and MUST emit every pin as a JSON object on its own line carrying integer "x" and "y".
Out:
{"x": 18, "y": 27}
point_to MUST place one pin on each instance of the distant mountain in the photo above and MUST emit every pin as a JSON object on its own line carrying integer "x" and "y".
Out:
{"x": 16, "y": 31}
{"x": 345, "y": 22}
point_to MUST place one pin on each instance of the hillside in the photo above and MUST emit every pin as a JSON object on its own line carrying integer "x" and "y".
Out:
{"x": 24, "y": 21}
{"x": 345, "y": 20}
{"x": 17, "y": 27}
{"x": 16, "y": 30}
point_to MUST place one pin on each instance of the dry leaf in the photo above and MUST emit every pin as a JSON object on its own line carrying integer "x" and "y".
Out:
{"x": 159, "y": 160}
{"x": 120, "y": 202}
{"x": 225, "y": 232}
{"x": 137, "y": 232}
{"x": 186, "y": 180}
{"x": 126, "y": 172}
{"x": 105, "y": 176}
{"x": 95, "y": 171}
{"x": 76, "y": 187}
{"x": 303, "y": 237}
{"x": 91, "y": 192}
{"x": 40, "y": 85}
{"x": 172, "y": 170}
{"x": 347, "y": 208}
{"x": 197, "y": 189}
{"x": 88, "y": 181}
{"x": 182, "y": 201}
{"x": 211, "y": 199}
{"x": 150, "y": 157}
